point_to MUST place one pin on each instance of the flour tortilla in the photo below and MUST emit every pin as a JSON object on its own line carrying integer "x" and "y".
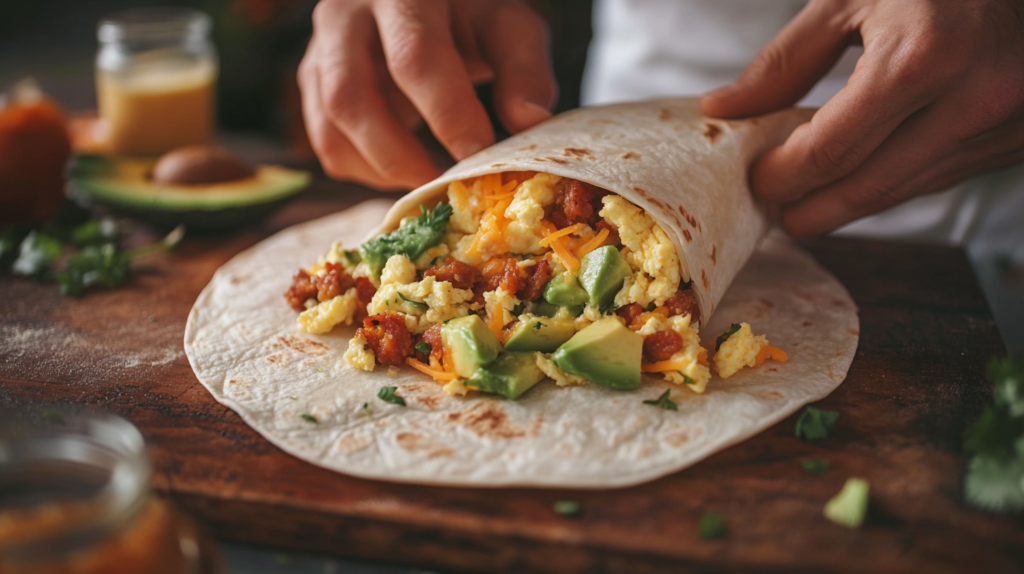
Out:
{"x": 242, "y": 342}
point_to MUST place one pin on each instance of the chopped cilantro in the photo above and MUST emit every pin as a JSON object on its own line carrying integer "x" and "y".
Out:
{"x": 352, "y": 257}
{"x": 53, "y": 418}
{"x": 725, "y": 336}
{"x": 308, "y": 418}
{"x": 36, "y": 254}
{"x": 651, "y": 306}
{"x": 851, "y": 504}
{"x": 424, "y": 348}
{"x": 815, "y": 424}
{"x": 366, "y": 410}
{"x": 294, "y": 398}
{"x": 518, "y": 309}
{"x": 414, "y": 304}
{"x": 95, "y": 232}
{"x": 814, "y": 465}
{"x": 94, "y": 265}
{"x": 537, "y": 325}
{"x": 712, "y": 525}
{"x": 664, "y": 402}
{"x": 412, "y": 239}
{"x": 995, "y": 473}
{"x": 567, "y": 508}
{"x": 688, "y": 380}
{"x": 387, "y": 394}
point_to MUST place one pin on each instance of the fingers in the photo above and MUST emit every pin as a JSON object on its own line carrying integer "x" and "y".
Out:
{"x": 350, "y": 92}
{"x": 788, "y": 66}
{"x": 516, "y": 46}
{"x": 421, "y": 56}
{"x": 338, "y": 157}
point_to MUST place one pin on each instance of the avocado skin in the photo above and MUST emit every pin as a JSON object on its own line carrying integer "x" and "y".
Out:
{"x": 122, "y": 185}
{"x": 557, "y": 292}
{"x": 540, "y": 334}
{"x": 510, "y": 375}
{"x": 605, "y": 352}
{"x": 602, "y": 272}
{"x": 471, "y": 342}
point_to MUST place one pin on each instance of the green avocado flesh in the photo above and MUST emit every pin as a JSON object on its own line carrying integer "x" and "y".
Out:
{"x": 540, "y": 334}
{"x": 605, "y": 352}
{"x": 602, "y": 272}
{"x": 472, "y": 343}
{"x": 125, "y": 183}
{"x": 511, "y": 375}
{"x": 545, "y": 309}
{"x": 558, "y": 292}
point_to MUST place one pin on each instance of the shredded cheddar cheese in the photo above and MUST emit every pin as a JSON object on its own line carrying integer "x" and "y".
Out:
{"x": 593, "y": 244}
{"x": 770, "y": 351}
{"x": 440, "y": 376}
{"x": 553, "y": 235}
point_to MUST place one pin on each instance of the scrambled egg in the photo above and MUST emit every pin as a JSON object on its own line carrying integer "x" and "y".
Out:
{"x": 323, "y": 317}
{"x": 647, "y": 250}
{"x": 527, "y": 211}
{"x": 689, "y": 355}
{"x": 501, "y": 301}
{"x": 455, "y": 387}
{"x": 561, "y": 378}
{"x": 359, "y": 354}
{"x": 738, "y": 351}
{"x": 398, "y": 269}
{"x": 442, "y": 300}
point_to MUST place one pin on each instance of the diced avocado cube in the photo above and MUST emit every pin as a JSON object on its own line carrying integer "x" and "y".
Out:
{"x": 471, "y": 342}
{"x": 534, "y": 333}
{"x": 602, "y": 272}
{"x": 545, "y": 309}
{"x": 511, "y": 375}
{"x": 851, "y": 504}
{"x": 564, "y": 293}
{"x": 605, "y": 352}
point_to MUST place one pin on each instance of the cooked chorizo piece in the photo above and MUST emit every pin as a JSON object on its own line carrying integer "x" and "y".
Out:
{"x": 364, "y": 293}
{"x": 432, "y": 337}
{"x": 613, "y": 233}
{"x": 301, "y": 290}
{"x": 460, "y": 275}
{"x": 388, "y": 336}
{"x": 335, "y": 281}
{"x": 540, "y": 274}
{"x": 683, "y": 302}
{"x": 498, "y": 273}
{"x": 661, "y": 346}
{"x": 631, "y": 313}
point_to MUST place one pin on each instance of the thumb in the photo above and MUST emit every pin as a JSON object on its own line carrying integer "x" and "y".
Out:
{"x": 787, "y": 67}
{"x": 524, "y": 84}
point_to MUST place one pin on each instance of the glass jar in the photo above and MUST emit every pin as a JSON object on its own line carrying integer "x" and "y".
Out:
{"x": 155, "y": 75}
{"x": 74, "y": 498}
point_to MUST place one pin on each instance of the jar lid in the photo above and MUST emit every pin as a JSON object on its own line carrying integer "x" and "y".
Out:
{"x": 153, "y": 24}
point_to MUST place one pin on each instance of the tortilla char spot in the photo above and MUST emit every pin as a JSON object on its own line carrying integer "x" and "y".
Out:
{"x": 773, "y": 370}
{"x": 352, "y": 442}
{"x": 530, "y": 147}
{"x": 495, "y": 165}
{"x": 677, "y": 439}
{"x": 711, "y": 131}
{"x": 240, "y": 279}
{"x": 808, "y": 323}
{"x": 304, "y": 346}
{"x": 579, "y": 152}
{"x": 853, "y": 332}
{"x": 714, "y": 254}
{"x": 686, "y": 234}
{"x": 240, "y": 383}
{"x": 801, "y": 295}
{"x": 414, "y": 442}
{"x": 665, "y": 115}
{"x": 704, "y": 280}
{"x": 839, "y": 303}
{"x": 641, "y": 192}
{"x": 831, "y": 373}
{"x": 631, "y": 155}
{"x": 767, "y": 395}
{"x": 279, "y": 359}
{"x": 487, "y": 420}
{"x": 689, "y": 218}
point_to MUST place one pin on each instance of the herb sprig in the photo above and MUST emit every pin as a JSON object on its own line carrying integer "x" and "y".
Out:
{"x": 387, "y": 394}
{"x": 664, "y": 402}
{"x": 995, "y": 473}
{"x": 815, "y": 424}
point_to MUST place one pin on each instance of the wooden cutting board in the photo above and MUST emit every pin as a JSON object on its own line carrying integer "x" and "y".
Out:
{"x": 916, "y": 383}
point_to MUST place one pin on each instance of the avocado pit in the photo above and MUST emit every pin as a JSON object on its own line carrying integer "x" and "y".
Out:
{"x": 200, "y": 165}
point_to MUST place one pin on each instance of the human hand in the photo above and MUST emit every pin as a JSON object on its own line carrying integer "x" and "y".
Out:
{"x": 375, "y": 68}
{"x": 938, "y": 96}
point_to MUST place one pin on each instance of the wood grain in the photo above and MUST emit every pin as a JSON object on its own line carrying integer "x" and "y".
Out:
{"x": 916, "y": 383}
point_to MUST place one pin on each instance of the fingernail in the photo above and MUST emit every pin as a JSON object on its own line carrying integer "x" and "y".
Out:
{"x": 465, "y": 148}
{"x": 527, "y": 114}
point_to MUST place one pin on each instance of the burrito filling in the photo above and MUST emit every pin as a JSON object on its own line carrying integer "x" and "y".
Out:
{"x": 521, "y": 276}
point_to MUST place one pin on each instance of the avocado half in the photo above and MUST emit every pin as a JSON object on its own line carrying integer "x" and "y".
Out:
{"x": 124, "y": 185}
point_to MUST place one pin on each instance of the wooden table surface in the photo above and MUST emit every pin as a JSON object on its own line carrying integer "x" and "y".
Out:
{"x": 916, "y": 383}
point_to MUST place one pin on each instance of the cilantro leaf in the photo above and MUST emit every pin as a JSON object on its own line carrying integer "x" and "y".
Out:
{"x": 725, "y": 336}
{"x": 366, "y": 410}
{"x": 814, "y": 465}
{"x": 309, "y": 418}
{"x": 424, "y": 348}
{"x": 712, "y": 525}
{"x": 94, "y": 265}
{"x": 1007, "y": 376}
{"x": 567, "y": 508}
{"x": 413, "y": 304}
{"x": 995, "y": 484}
{"x": 412, "y": 239}
{"x": 387, "y": 394}
{"x": 36, "y": 254}
{"x": 664, "y": 402}
{"x": 995, "y": 474}
{"x": 94, "y": 232}
{"x": 688, "y": 380}
{"x": 815, "y": 424}
{"x": 10, "y": 240}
